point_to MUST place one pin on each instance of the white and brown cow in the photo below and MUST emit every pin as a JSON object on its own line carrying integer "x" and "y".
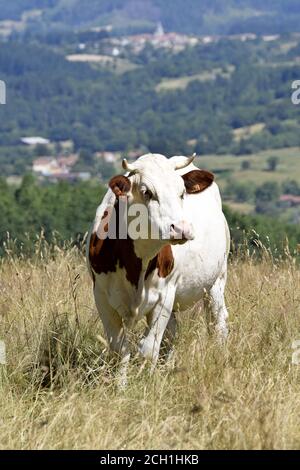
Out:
{"x": 150, "y": 275}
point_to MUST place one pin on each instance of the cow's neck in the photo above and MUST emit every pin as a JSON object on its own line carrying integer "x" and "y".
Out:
{"x": 146, "y": 250}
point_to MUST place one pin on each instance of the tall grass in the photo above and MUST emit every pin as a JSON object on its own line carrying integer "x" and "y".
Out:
{"x": 58, "y": 388}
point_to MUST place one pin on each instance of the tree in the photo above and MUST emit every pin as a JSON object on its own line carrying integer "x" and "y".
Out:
{"x": 272, "y": 163}
{"x": 106, "y": 169}
{"x": 41, "y": 150}
{"x": 291, "y": 187}
{"x": 86, "y": 157}
{"x": 266, "y": 197}
{"x": 267, "y": 192}
{"x": 245, "y": 165}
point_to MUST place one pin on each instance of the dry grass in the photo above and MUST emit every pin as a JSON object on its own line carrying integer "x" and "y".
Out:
{"x": 248, "y": 131}
{"x": 58, "y": 391}
{"x": 170, "y": 84}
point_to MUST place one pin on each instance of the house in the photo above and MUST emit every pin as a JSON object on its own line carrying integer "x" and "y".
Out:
{"x": 46, "y": 166}
{"x": 53, "y": 166}
{"x": 134, "y": 154}
{"x": 67, "y": 162}
{"x": 108, "y": 157}
{"x": 70, "y": 177}
{"x": 207, "y": 39}
{"x": 289, "y": 200}
{"x": 273, "y": 37}
{"x": 34, "y": 141}
{"x": 2, "y": 92}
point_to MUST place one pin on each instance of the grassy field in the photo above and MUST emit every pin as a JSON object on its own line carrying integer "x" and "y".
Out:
{"x": 116, "y": 65}
{"x": 169, "y": 84}
{"x": 288, "y": 167}
{"x": 58, "y": 390}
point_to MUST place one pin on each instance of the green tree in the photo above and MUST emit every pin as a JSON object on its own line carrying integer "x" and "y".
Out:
{"x": 266, "y": 198}
{"x": 272, "y": 162}
{"x": 291, "y": 187}
{"x": 245, "y": 165}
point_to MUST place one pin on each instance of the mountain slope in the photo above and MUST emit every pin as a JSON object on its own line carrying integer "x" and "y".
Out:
{"x": 189, "y": 16}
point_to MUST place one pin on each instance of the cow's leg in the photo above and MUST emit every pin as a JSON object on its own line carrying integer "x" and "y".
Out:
{"x": 115, "y": 333}
{"x": 167, "y": 344}
{"x": 158, "y": 320}
{"x": 216, "y": 311}
{"x": 118, "y": 344}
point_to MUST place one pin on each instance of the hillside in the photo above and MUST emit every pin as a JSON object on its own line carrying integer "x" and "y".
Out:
{"x": 166, "y": 103}
{"x": 189, "y": 16}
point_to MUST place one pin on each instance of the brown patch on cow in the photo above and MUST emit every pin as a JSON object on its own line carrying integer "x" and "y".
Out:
{"x": 120, "y": 185}
{"x": 105, "y": 216}
{"x": 163, "y": 262}
{"x": 95, "y": 246}
{"x": 108, "y": 254}
{"x": 197, "y": 181}
{"x": 96, "y": 243}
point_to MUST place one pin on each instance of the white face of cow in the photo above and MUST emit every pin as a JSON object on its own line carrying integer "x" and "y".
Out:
{"x": 155, "y": 193}
{"x": 161, "y": 190}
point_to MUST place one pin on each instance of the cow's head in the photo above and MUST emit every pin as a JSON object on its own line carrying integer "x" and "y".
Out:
{"x": 154, "y": 183}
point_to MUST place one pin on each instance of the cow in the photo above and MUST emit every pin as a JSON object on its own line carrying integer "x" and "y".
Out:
{"x": 153, "y": 276}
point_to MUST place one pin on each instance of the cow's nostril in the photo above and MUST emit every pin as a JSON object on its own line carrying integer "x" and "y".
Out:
{"x": 176, "y": 229}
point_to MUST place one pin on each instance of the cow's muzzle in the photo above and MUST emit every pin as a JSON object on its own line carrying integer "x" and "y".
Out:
{"x": 181, "y": 232}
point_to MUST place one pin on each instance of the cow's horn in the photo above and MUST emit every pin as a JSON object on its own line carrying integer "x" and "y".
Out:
{"x": 128, "y": 166}
{"x": 185, "y": 161}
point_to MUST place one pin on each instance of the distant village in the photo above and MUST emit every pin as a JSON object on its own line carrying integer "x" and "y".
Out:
{"x": 60, "y": 166}
{"x": 115, "y": 47}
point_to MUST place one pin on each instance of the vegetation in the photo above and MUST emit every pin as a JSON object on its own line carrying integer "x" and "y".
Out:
{"x": 188, "y": 16}
{"x": 273, "y": 162}
{"x": 65, "y": 211}
{"x": 100, "y": 110}
{"x": 58, "y": 389}
{"x": 239, "y": 184}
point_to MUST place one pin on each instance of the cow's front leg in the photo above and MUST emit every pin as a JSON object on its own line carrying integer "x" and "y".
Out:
{"x": 167, "y": 344}
{"x": 158, "y": 320}
{"x": 116, "y": 336}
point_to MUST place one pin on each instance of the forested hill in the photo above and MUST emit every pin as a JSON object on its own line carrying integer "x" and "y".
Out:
{"x": 228, "y": 86}
{"x": 189, "y": 16}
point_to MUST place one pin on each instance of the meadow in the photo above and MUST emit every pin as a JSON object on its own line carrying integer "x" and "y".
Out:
{"x": 228, "y": 169}
{"x": 288, "y": 166}
{"x": 58, "y": 388}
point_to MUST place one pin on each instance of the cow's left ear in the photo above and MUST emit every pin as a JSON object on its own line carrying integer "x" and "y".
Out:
{"x": 120, "y": 185}
{"x": 197, "y": 180}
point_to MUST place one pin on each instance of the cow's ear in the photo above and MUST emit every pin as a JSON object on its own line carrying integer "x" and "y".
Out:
{"x": 197, "y": 180}
{"x": 120, "y": 185}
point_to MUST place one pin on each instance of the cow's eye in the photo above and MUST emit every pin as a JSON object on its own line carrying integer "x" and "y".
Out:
{"x": 148, "y": 194}
{"x": 182, "y": 195}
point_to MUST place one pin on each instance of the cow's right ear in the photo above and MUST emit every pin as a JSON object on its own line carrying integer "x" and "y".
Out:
{"x": 120, "y": 185}
{"x": 197, "y": 181}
